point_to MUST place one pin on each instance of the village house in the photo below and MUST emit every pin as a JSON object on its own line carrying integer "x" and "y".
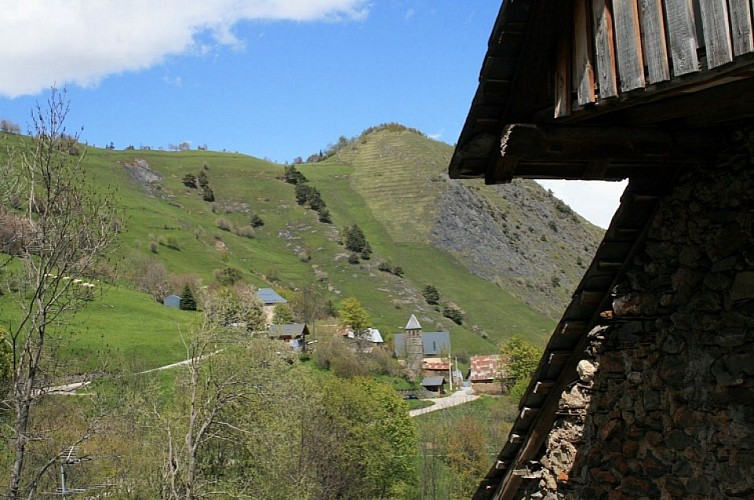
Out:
{"x": 269, "y": 299}
{"x": 293, "y": 333}
{"x": 487, "y": 374}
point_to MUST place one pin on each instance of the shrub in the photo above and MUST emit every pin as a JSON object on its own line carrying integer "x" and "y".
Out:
{"x": 324, "y": 216}
{"x": 190, "y": 181}
{"x": 245, "y": 231}
{"x": 353, "y": 258}
{"x": 172, "y": 243}
{"x": 431, "y": 294}
{"x": 154, "y": 246}
{"x": 256, "y": 221}
{"x": 453, "y": 314}
{"x": 223, "y": 224}
{"x": 228, "y": 276}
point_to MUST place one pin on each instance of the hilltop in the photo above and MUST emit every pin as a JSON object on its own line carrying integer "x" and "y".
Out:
{"x": 506, "y": 256}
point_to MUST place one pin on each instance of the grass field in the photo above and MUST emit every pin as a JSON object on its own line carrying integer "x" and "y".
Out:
{"x": 383, "y": 184}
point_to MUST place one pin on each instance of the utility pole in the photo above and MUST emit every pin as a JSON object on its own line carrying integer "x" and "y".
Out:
{"x": 450, "y": 370}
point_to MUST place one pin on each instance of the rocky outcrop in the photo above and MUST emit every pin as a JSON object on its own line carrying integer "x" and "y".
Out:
{"x": 518, "y": 236}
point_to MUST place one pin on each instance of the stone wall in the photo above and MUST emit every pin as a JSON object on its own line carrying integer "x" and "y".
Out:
{"x": 670, "y": 410}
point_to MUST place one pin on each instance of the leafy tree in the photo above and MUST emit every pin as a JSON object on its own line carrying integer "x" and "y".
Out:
{"x": 282, "y": 315}
{"x": 6, "y": 357}
{"x": 523, "y": 359}
{"x": 228, "y": 276}
{"x": 9, "y": 127}
{"x": 188, "y": 302}
{"x": 360, "y": 442}
{"x": 466, "y": 454}
{"x": 235, "y": 307}
{"x": 308, "y": 305}
{"x": 431, "y": 294}
{"x": 72, "y": 232}
{"x": 354, "y": 316}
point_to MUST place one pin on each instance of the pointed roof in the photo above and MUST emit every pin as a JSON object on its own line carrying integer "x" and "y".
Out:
{"x": 413, "y": 324}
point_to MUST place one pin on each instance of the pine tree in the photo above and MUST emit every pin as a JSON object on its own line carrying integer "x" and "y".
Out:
{"x": 188, "y": 302}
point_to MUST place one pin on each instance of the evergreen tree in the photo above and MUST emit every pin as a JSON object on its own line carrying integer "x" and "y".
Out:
{"x": 431, "y": 295}
{"x": 355, "y": 240}
{"x": 202, "y": 179}
{"x": 188, "y": 302}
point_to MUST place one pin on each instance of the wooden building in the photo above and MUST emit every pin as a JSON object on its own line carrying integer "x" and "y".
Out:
{"x": 608, "y": 90}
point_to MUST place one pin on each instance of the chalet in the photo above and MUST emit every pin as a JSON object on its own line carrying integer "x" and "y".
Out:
{"x": 372, "y": 335}
{"x": 653, "y": 355}
{"x": 269, "y": 299}
{"x": 486, "y": 373}
{"x": 293, "y": 333}
{"x": 172, "y": 300}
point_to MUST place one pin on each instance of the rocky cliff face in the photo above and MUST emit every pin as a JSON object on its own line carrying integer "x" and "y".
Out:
{"x": 519, "y": 236}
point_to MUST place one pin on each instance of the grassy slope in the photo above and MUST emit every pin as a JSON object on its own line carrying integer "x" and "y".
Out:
{"x": 143, "y": 333}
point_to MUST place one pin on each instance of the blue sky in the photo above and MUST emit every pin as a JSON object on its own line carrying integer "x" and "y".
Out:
{"x": 271, "y": 78}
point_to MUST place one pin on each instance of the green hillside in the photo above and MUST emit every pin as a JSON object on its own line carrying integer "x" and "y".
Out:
{"x": 390, "y": 182}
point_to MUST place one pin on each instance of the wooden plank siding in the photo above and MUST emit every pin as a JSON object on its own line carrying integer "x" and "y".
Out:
{"x": 740, "y": 27}
{"x": 716, "y": 32}
{"x": 653, "y": 38}
{"x": 628, "y": 45}
{"x": 612, "y": 47}
{"x": 563, "y": 76}
{"x": 604, "y": 49}
{"x": 583, "y": 69}
{"x": 682, "y": 35}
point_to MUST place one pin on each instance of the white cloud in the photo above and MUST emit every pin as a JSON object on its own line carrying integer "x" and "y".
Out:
{"x": 82, "y": 41}
{"x": 596, "y": 201}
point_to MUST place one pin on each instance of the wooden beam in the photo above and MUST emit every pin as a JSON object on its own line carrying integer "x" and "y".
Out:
{"x": 628, "y": 45}
{"x": 653, "y": 38}
{"x": 604, "y": 49}
{"x": 682, "y": 36}
{"x": 569, "y": 150}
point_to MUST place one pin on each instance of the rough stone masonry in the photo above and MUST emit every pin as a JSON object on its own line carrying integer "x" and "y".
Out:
{"x": 663, "y": 406}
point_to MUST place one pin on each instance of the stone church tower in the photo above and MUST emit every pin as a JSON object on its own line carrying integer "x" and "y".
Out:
{"x": 414, "y": 347}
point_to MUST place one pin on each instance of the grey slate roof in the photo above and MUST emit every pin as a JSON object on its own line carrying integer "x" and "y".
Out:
{"x": 413, "y": 324}
{"x": 269, "y": 296}
{"x": 434, "y": 344}
{"x": 292, "y": 330}
{"x": 433, "y": 381}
